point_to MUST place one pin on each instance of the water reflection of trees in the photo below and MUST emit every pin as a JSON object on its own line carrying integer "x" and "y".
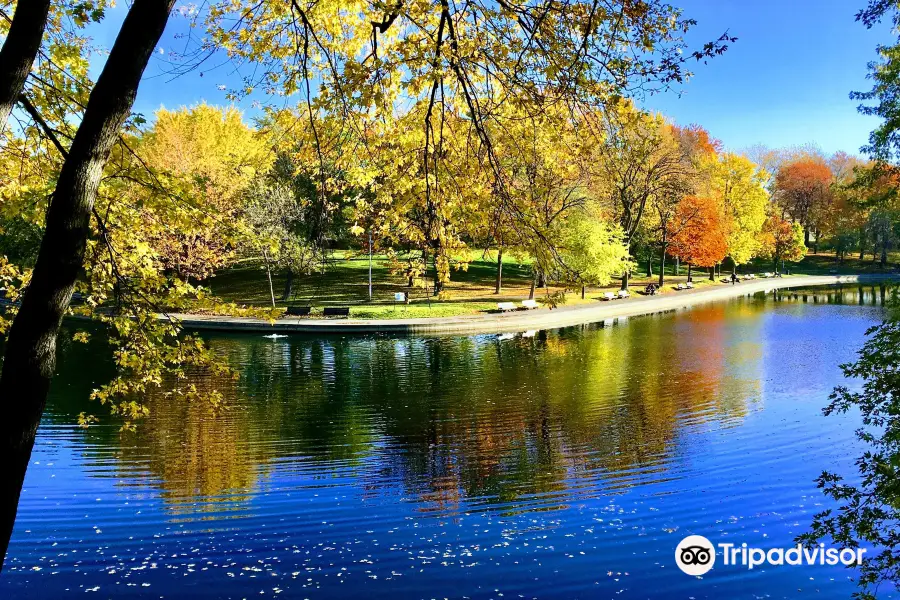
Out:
{"x": 530, "y": 423}
{"x": 844, "y": 294}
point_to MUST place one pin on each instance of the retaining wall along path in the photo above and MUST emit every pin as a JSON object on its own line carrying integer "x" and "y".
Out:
{"x": 542, "y": 318}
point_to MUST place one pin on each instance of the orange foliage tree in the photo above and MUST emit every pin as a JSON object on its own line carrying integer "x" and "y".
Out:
{"x": 702, "y": 242}
{"x": 803, "y": 189}
{"x": 782, "y": 240}
{"x": 696, "y": 141}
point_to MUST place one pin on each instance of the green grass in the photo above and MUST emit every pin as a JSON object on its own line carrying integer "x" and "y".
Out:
{"x": 825, "y": 263}
{"x": 345, "y": 283}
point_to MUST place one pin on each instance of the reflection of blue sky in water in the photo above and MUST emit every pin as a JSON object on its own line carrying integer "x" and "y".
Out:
{"x": 565, "y": 465}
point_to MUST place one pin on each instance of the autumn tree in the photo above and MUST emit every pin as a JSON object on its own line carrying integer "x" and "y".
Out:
{"x": 696, "y": 142}
{"x": 702, "y": 243}
{"x": 782, "y": 240}
{"x": 802, "y": 189}
{"x": 210, "y": 156}
{"x": 668, "y": 219}
{"x": 29, "y": 355}
{"x": 454, "y": 61}
{"x": 638, "y": 161}
{"x": 366, "y": 67}
{"x": 737, "y": 184}
{"x": 548, "y": 162}
{"x": 428, "y": 210}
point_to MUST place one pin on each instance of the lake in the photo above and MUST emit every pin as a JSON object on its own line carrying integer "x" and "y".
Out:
{"x": 567, "y": 464}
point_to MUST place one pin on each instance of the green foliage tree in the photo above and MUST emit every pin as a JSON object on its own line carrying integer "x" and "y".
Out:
{"x": 593, "y": 249}
{"x": 884, "y": 141}
{"x": 868, "y": 511}
{"x": 275, "y": 218}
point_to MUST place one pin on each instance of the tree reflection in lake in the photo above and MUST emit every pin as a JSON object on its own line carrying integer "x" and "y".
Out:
{"x": 531, "y": 463}
{"x": 553, "y": 418}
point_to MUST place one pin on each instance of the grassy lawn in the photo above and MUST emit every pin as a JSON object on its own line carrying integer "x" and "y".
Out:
{"x": 825, "y": 263}
{"x": 346, "y": 282}
{"x": 470, "y": 291}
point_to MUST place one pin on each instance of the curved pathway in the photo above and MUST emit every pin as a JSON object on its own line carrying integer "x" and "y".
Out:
{"x": 542, "y": 318}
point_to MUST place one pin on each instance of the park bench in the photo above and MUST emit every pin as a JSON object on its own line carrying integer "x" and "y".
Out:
{"x": 506, "y": 306}
{"x": 336, "y": 311}
{"x": 529, "y": 304}
{"x": 689, "y": 285}
{"x": 297, "y": 311}
{"x": 609, "y": 296}
{"x": 623, "y": 294}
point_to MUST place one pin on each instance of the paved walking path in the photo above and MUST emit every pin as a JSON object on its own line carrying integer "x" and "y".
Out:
{"x": 542, "y": 318}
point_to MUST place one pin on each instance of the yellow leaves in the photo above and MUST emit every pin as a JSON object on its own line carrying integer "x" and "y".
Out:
{"x": 735, "y": 181}
{"x": 85, "y": 420}
{"x": 82, "y": 337}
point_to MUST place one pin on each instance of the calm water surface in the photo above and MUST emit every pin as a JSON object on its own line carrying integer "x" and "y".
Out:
{"x": 564, "y": 465}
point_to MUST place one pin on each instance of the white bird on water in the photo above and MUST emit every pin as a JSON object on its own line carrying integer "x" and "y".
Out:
{"x": 274, "y": 336}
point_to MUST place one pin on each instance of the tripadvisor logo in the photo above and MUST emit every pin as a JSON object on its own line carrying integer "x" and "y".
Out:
{"x": 696, "y": 555}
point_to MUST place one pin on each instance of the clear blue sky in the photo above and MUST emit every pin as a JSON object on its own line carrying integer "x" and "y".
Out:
{"x": 787, "y": 79}
{"x": 785, "y": 82}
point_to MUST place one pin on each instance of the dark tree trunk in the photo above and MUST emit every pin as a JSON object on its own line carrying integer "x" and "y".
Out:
{"x": 816, "y": 243}
{"x": 30, "y": 355}
{"x": 884, "y": 253}
{"x": 625, "y": 277}
{"x": 806, "y": 236}
{"x": 712, "y": 273}
{"x": 662, "y": 267}
{"x": 19, "y": 51}
{"x": 288, "y": 286}
{"x": 542, "y": 280}
{"x": 499, "y": 285}
{"x": 650, "y": 264}
{"x": 582, "y": 292}
{"x": 438, "y": 284}
{"x": 689, "y": 272}
{"x": 533, "y": 281}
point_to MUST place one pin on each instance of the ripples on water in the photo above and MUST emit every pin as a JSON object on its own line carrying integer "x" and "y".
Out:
{"x": 564, "y": 465}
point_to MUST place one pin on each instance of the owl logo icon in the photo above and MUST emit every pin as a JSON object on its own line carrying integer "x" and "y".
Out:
{"x": 695, "y": 555}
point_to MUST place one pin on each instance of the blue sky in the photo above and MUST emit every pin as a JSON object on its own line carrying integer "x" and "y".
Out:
{"x": 787, "y": 79}
{"x": 785, "y": 82}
